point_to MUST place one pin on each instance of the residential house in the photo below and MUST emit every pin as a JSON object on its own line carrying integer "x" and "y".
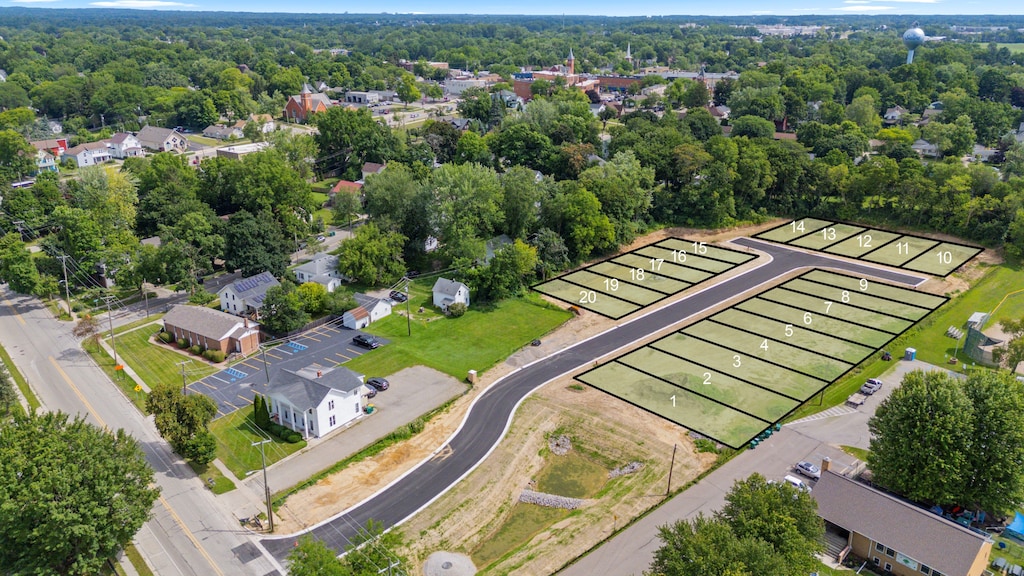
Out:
{"x": 55, "y": 146}
{"x": 894, "y": 535}
{"x": 361, "y": 98}
{"x": 372, "y": 168}
{"x": 89, "y": 154}
{"x": 212, "y": 329}
{"x": 322, "y": 269}
{"x": 315, "y": 402}
{"x": 596, "y": 109}
{"x": 456, "y": 86}
{"x": 930, "y": 113}
{"x": 346, "y": 186}
{"x": 894, "y": 115}
{"x": 368, "y": 311}
{"x": 162, "y": 139}
{"x": 45, "y": 162}
{"x": 245, "y": 297}
{"x": 983, "y": 153}
{"x": 221, "y": 132}
{"x": 123, "y": 145}
{"x": 720, "y": 112}
{"x": 460, "y": 124}
{"x": 925, "y": 149}
{"x": 265, "y": 122}
{"x": 448, "y": 292}
{"x": 300, "y": 107}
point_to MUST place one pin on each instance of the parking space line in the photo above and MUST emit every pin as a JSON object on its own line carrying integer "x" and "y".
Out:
{"x": 276, "y": 350}
{"x": 346, "y": 358}
{"x": 244, "y": 399}
{"x": 204, "y": 383}
{"x": 308, "y": 335}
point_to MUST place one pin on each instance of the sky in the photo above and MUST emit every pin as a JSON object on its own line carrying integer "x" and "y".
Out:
{"x": 586, "y": 7}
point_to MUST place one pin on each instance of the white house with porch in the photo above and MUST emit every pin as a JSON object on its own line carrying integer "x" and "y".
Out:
{"x": 316, "y": 401}
{"x": 448, "y": 292}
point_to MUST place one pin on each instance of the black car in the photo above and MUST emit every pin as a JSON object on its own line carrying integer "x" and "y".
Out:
{"x": 366, "y": 341}
{"x": 378, "y": 383}
{"x": 398, "y": 296}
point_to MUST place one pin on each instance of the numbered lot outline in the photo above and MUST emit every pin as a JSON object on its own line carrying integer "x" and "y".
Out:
{"x": 905, "y": 251}
{"x": 737, "y": 372}
{"x": 623, "y": 284}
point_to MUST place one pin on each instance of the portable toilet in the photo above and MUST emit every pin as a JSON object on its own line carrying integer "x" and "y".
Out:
{"x": 910, "y": 354}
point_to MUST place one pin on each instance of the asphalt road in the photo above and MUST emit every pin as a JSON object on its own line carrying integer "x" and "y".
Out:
{"x": 491, "y": 413}
{"x": 190, "y": 533}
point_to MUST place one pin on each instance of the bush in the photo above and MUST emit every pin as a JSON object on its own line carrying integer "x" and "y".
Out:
{"x": 195, "y": 349}
{"x": 294, "y": 438}
{"x": 166, "y": 337}
{"x": 456, "y": 309}
{"x": 278, "y": 430}
{"x": 214, "y": 355}
{"x": 181, "y": 343}
{"x": 705, "y": 445}
{"x": 202, "y": 297}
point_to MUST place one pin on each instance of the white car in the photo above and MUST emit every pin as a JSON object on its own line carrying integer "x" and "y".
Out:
{"x": 871, "y": 386}
{"x": 807, "y": 469}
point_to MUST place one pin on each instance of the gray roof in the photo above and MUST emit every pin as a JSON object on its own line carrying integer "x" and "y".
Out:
{"x": 305, "y": 393}
{"x": 924, "y": 536}
{"x": 448, "y": 287}
{"x": 253, "y": 289}
{"x": 322, "y": 264}
{"x": 207, "y": 322}
{"x": 154, "y": 136}
{"x": 366, "y": 301}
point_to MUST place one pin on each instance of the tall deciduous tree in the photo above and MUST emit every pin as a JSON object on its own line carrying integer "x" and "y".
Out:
{"x": 16, "y": 265}
{"x": 255, "y": 244}
{"x": 348, "y": 138}
{"x": 282, "y": 309}
{"x": 1011, "y": 353}
{"x": 17, "y": 157}
{"x": 182, "y": 421}
{"x": 373, "y": 256}
{"x": 764, "y": 528}
{"x": 942, "y": 440}
{"x": 71, "y": 494}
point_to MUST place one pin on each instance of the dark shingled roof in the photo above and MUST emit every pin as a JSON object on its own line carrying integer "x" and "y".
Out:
{"x": 207, "y": 322}
{"x": 924, "y": 536}
{"x": 306, "y": 393}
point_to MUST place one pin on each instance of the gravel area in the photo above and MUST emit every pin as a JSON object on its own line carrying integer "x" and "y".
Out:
{"x": 560, "y": 445}
{"x": 550, "y": 500}
{"x": 627, "y": 469}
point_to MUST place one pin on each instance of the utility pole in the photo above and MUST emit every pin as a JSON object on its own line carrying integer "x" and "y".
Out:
{"x": 408, "y": 315}
{"x": 670, "y": 467}
{"x": 67, "y": 290}
{"x": 266, "y": 369}
{"x": 184, "y": 387}
{"x": 110, "y": 320}
{"x": 266, "y": 487}
{"x": 145, "y": 295}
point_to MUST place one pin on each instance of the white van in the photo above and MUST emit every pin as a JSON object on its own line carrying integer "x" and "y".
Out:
{"x": 797, "y": 483}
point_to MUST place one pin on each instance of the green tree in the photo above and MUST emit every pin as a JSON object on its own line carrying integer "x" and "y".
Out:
{"x": 407, "y": 89}
{"x": 574, "y": 214}
{"x": 753, "y": 127}
{"x": 472, "y": 148}
{"x": 255, "y": 244}
{"x": 66, "y": 511}
{"x": 17, "y": 157}
{"x": 373, "y": 256}
{"x": 17, "y": 267}
{"x": 345, "y": 207}
{"x": 508, "y": 273}
{"x": 552, "y": 253}
{"x": 1011, "y": 353}
{"x": 863, "y": 112}
{"x": 195, "y": 110}
{"x": 926, "y": 445}
{"x": 283, "y": 309}
{"x": 764, "y": 528}
{"x": 313, "y": 558}
{"x": 625, "y": 190}
{"x": 520, "y": 195}
{"x": 313, "y": 297}
{"x": 696, "y": 96}
{"x": 465, "y": 208}
{"x": 182, "y": 421}
{"x": 349, "y": 138}
{"x": 8, "y": 397}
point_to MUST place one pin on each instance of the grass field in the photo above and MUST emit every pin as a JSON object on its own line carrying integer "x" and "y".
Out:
{"x": 1016, "y": 47}
{"x": 744, "y": 368}
{"x": 604, "y": 304}
{"x": 484, "y": 336}
{"x": 235, "y": 435}
{"x": 156, "y": 364}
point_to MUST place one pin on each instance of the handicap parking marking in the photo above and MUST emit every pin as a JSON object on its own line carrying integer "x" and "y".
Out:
{"x": 296, "y": 346}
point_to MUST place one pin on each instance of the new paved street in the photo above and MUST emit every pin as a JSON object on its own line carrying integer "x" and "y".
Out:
{"x": 190, "y": 534}
{"x": 489, "y": 416}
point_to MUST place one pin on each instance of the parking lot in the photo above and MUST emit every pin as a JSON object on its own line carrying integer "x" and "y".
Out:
{"x": 233, "y": 388}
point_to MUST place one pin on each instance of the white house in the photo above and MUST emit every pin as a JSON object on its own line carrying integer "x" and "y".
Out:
{"x": 45, "y": 162}
{"x": 245, "y": 297}
{"x": 448, "y": 292}
{"x": 368, "y": 311}
{"x": 162, "y": 139}
{"x": 123, "y": 145}
{"x": 221, "y": 132}
{"x": 88, "y": 154}
{"x": 322, "y": 269}
{"x": 315, "y": 402}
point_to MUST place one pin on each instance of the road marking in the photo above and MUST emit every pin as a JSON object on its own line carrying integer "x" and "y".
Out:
{"x": 346, "y": 358}
{"x": 14, "y": 310}
{"x": 166, "y": 505}
{"x": 189, "y": 535}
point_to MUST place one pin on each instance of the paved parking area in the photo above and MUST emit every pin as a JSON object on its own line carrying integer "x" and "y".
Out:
{"x": 324, "y": 346}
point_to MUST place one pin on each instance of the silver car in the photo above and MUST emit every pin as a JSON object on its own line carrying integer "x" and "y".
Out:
{"x": 807, "y": 469}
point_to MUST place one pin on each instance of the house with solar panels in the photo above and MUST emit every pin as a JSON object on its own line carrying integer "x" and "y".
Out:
{"x": 245, "y": 297}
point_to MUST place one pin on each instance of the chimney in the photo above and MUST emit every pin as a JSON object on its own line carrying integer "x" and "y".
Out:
{"x": 826, "y": 462}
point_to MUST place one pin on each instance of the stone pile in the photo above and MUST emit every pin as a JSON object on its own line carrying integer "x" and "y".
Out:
{"x": 560, "y": 445}
{"x": 550, "y": 500}
{"x": 627, "y": 469}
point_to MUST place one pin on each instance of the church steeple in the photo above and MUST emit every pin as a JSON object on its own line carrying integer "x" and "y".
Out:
{"x": 571, "y": 62}
{"x": 629, "y": 54}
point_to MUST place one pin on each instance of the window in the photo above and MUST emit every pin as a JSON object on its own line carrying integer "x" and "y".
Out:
{"x": 890, "y": 552}
{"x": 879, "y": 547}
{"x": 330, "y": 405}
{"x": 888, "y": 567}
{"x": 876, "y": 560}
{"x": 925, "y": 569}
{"x": 357, "y": 407}
{"x": 332, "y": 420}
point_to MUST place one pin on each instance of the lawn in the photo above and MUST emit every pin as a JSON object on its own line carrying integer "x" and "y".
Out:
{"x": 1013, "y": 47}
{"x": 235, "y": 435}
{"x": 1014, "y": 552}
{"x": 484, "y": 336}
{"x": 157, "y": 364}
{"x": 929, "y": 337}
{"x": 19, "y": 380}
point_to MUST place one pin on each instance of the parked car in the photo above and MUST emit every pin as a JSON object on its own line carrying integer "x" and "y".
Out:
{"x": 398, "y": 296}
{"x": 797, "y": 483}
{"x": 379, "y": 384}
{"x": 871, "y": 386}
{"x": 805, "y": 468}
{"x": 366, "y": 341}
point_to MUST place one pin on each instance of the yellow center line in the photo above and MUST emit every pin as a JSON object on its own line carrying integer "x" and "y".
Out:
{"x": 15, "y": 311}
{"x": 163, "y": 501}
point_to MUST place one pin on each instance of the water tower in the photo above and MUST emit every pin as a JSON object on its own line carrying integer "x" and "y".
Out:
{"x": 912, "y": 39}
